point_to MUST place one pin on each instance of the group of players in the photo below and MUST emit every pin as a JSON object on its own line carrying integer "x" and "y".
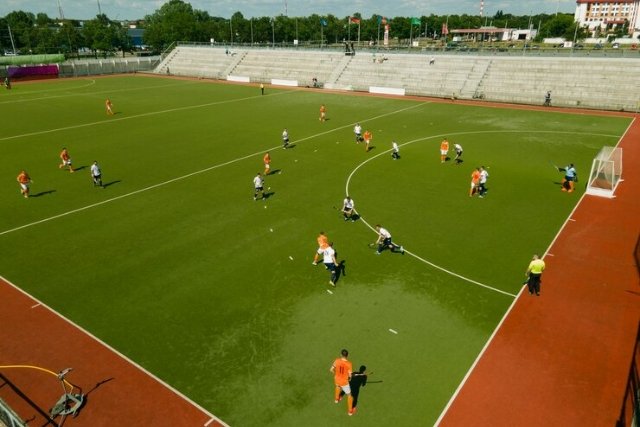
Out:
{"x": 25, "y": 181}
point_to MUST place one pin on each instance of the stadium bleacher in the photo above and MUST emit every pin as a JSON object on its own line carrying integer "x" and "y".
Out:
{"x": 583, "y": 82}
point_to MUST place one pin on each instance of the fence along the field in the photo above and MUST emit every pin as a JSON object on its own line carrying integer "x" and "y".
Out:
{"x": 631, "y": 402}
{"x": 8, "y": 418}
{"x": 107, "y": 66}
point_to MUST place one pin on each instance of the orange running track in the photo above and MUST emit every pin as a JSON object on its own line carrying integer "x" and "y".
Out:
{"x": 118, "y": 393}
{"x": 562, "y": 359}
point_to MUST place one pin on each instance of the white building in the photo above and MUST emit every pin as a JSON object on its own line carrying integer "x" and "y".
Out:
{"x": 608, "y": 14}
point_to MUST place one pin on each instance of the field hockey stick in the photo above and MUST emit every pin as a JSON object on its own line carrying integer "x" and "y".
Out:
{"x": 554, "y": 166}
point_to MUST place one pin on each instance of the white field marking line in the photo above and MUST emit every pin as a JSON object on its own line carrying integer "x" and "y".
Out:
{"x": 122, "y": 196}
{"x": 87, "y": 94}
{"x": 10, "y": 101}
{"x": 506, "y": 314}
{"x": 440, "y": 136}
{"x": 161, "y": 184}
{"x": 36, "y": 305}
{"x": 137, "y": 116}
{"x": 108, "y": 347}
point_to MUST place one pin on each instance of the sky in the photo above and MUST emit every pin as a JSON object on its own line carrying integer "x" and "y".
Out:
{"x": 138, "y": 9}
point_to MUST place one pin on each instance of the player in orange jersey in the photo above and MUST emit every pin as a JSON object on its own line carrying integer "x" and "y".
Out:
{"x": 323, "y": 113}
{"x": 368, "y": 136}
{"x": 342, "y": 370}
{"x": 267, "y": 163}
{"x": 475, "y": 180}
{"x": 444, "y": 150}
{"x": 24, "y": 180}
{"x": 109, "y": 106}
{"x": 66, "y": 160}
{"x": 323, "y": 243}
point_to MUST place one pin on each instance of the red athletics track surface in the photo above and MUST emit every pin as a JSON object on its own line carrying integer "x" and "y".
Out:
{"x": 562, "y": 359}
{"x": 119, "y": 393}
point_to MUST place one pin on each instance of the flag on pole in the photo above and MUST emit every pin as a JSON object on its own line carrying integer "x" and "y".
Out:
{"x": 382, "y": 20}
{"x": 416, "y": 21}
{"x": 445, "y": 29}
{"x": 354, "y": 20}
{"x": 323, "y": 22}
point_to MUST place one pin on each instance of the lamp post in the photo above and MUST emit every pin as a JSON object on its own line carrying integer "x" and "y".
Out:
{"x": 273, "y": 33}
{"x": 231, "y": 30}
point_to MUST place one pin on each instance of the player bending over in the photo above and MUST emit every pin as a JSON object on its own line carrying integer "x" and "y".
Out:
{"x": 384, "y": 241}
{"x": 348, "y": 209}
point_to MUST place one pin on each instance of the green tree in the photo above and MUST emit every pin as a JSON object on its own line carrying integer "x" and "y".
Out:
{"x": 558, "y": 26}
{"x": 21, "y": 24}
{"x": 102, "y": 35}
{"x": 177, "y": 21}
{"x": 69, "y": 38}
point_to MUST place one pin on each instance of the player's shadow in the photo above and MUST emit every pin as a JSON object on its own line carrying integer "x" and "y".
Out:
{"x": 79, "y": 168}
{"x": 371, "y": 147}
{"x": 290, "y": 146}
{"x": 459, "y": 161}
{"x": 268, "y": 194}
{"x": 109, "y": 184}
{"x": 43, "y": 193}
{"x": 341, "y": 269}
{"x": 274, "y": 172}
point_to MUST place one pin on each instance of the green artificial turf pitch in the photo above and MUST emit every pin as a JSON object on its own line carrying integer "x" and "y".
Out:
{"x": 176, "y": 266}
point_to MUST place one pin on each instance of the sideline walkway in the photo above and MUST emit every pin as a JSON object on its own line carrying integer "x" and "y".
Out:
{"x": 562, "y": 359}
{"x": 118, "y": 393}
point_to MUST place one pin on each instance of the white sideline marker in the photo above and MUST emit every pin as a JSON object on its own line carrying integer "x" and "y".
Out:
{"x": 36, "y": 305}
{"x": 571, "y": 219}
{"x": 329, "y": 291}
{"x": 550, "y": 255}
{"x": 290, "y": 257}
{"x": 393, "y": 331}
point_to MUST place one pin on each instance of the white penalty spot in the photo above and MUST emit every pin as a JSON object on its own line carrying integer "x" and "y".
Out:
{"x": 329, "y": 291}
{"x": 271, "y": 230}
{"x": 393, "y": 331}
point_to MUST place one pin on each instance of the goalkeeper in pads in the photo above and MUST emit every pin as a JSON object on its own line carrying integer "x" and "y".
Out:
{"x": 570, "y": 178}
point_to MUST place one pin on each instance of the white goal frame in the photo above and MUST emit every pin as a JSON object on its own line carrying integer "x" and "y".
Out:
{"x": 606, "y": 172}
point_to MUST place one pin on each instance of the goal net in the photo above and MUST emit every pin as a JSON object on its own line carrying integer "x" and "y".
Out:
{"x": 606, "y": 172}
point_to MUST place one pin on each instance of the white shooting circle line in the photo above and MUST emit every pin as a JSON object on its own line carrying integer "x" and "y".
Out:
{"x": 438, "y": 267}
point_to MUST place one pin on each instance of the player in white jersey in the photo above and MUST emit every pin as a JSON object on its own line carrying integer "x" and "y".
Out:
{"x": 384, "y": 241}
{"x": 329, "y": 259}
{"x": 357, "y": 130}
{"x": 348, "y": 209}
{"x": 258, "y": 185}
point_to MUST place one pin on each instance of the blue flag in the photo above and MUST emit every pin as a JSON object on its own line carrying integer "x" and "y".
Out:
{"x": 323, "y": 22}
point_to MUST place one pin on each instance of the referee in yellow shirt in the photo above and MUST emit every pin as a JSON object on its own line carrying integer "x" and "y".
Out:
{"x": 536, "y": 267}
